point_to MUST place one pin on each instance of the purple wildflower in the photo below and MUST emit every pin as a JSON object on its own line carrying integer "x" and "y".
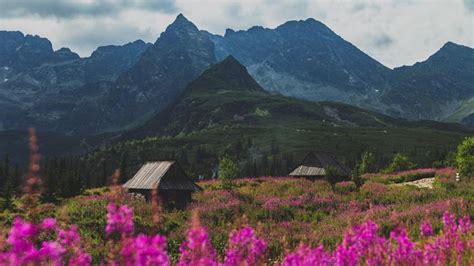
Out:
{"x": 119, "y": 219}
{"x": 145, "y": 250}
{"x": 245, "y": 248}
{"x": 197, "y": 249}
{"x": 426, "y": 229}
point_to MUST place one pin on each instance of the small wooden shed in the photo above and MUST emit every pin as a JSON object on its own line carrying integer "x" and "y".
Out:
{"x": 316, "y": 165}
{"x": 168, "y": 178}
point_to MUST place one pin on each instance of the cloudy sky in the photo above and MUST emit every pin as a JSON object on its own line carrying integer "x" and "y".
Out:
{"x": 395, "y": 32}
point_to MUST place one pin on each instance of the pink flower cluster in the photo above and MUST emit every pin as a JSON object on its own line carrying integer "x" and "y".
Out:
{"x": 216, "y": 200}
{"x": 448, "y": 172}
{"x": 197, "y": 249}
{"x": 119, "y": 219}
{"x": 245, "y": 248}
{"x": 144, "y": 250}
{"x": 326, "y": 202}
{"x": 26, "y": 248}
{"x": 361, "y": 245}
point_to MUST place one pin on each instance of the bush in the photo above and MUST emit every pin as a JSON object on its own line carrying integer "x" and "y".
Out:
{"x": 368, "y": 164}
{"x": 345, "y": 187}
{"x": 465, "y": 157}
{"x": 356, "y": 178}
{"x": 444, "y": 182}
{"x": 332, "y": 175}
{"x": 373, "y": 190}
{"x": 412, "y": 175}
{"x": 227, "y": 172}
{"x": 399, "y": 163}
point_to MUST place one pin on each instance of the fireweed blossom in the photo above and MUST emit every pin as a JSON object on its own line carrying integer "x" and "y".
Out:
{"x": 360, "y": 246}
{"x": 304, "y": 255}
{"x": 197, "y": 249}
{"x": 144, "y": 250}
{"x": 25, "y": 248}
{"x": 426, "y": 229}
{"x": 245, "y": 248}
{"x": 119, "y": 219}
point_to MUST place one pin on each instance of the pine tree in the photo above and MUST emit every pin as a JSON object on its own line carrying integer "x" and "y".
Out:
{"x": 103, "y": 178}
{"x": 227, "y": 172}
{"x": 254, "y": 168}
{"x": 123, "y": 168}
{"x": 368, "y": 164}
{"x": 8, "y": 193}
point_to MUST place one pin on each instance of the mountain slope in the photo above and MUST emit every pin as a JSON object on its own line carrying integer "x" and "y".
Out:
{"x": 178, "y": 56}
{"x": 226, "y": 95}
{"x": 41, "y": 87}
{"x": 435, "y": 88}
{"x": 305, "y": 59}
{"x": 225, "y": 112}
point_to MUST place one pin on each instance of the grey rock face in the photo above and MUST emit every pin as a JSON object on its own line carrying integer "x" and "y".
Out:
{"x": 43, "y": 88}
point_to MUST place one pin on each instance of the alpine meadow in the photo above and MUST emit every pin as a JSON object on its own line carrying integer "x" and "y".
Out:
{"x": 273, "y": 143}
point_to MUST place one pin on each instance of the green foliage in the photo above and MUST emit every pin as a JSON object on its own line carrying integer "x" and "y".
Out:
{"x": 227, "y": 171}
{"x": 446, "y": 183}
{"x": 465, "y": 157}
{"x": 399, "y": 162}
{"x": 368, "y": 163}
{"x": 345, "y": 187}
{"x": 332, "y": 175}
{"x": 356, "y": 178}
{"x": 261, "y": 112}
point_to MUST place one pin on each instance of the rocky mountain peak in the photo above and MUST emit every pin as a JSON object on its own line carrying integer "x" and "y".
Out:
{"x": 65, "y": 54}
{"x": 181, "y": 25}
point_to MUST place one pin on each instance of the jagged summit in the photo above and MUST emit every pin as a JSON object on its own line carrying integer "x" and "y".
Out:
{"x": 181, "y": 23}
{"x": 181, "y": 17}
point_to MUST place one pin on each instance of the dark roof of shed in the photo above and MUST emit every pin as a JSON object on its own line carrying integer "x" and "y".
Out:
{"x": 155, "y": 175}
{"x": 315, "y": 164}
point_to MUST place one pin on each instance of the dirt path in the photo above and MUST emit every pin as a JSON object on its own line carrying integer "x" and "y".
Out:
{"x": 421, "y": 183}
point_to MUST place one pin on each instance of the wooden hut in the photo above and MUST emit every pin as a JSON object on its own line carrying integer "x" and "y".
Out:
{"x": 168, "y": 178}
{"x": 316, "y": 166}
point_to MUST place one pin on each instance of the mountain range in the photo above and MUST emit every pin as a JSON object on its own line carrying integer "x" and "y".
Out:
{"x": 123, "y": 87}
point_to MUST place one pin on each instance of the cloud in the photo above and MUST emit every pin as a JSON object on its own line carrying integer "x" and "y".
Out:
{"x": 383, "y": 41}
{"x": 62, "y": 9}
{"x": 394, "y": 32}
{"x": 469, "y": 5}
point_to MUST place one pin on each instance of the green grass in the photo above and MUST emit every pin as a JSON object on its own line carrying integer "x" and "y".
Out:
{"x": 466, "y": 109}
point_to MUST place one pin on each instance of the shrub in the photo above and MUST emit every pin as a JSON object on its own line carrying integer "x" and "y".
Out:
{"x": 444, "y": 182}
{"x": 412, "y": 175}
{"x": 368, "y": 164}
{"x": 465, "y": 157}
{"x": 345, "y": 187}
{"x": 261, "y": 112}
{"x": 399, "y": 163}
{"x": 373, "y": 190}
{"x": 356, "y": 178}
{"x": 332, "y": 175}
{"x": 227, "y": 172}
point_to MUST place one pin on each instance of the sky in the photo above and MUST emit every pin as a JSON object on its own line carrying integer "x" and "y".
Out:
{"x": 394, "y": 32}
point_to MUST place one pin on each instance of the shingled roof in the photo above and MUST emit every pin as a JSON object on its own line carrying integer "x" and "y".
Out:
{"x": 161, "y": 175}
{"x": 315, "y": 164}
